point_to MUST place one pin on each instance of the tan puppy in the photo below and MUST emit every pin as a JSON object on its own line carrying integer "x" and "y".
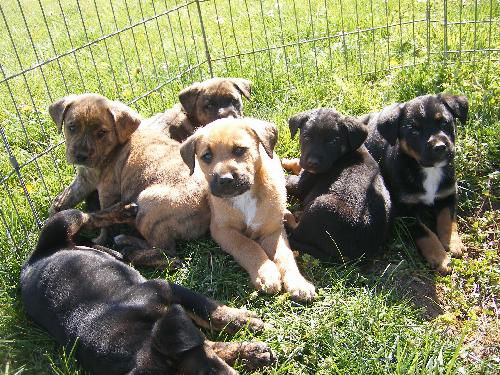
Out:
{"x": 200, "y": 104}
{"x": 248, "y": 200}
{"x": 144, "y": 166}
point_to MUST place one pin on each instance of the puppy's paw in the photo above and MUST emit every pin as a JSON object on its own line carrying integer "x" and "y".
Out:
{"x": 232, "y": 320}
{"x": 57, "y": 205}
{"x": 256, "y": 355}
{"x": 299, "y": 288}
{"x": 268, "y": 279}
{"x": 291, "y": 165}
{"x": 457, "y": 248}
{"x": 102, "y": 238}
{"x": 441, "y": 265}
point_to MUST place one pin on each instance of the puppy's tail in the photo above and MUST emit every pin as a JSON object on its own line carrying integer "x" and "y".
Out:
{"x": 58, "y": 231}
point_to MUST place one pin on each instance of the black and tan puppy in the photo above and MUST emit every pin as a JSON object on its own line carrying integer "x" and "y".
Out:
{"x": 346, "y": 207}
{"x": 121, "y": 322}
{"x": 200, "y": 104}
{"x": 414, "y": 143}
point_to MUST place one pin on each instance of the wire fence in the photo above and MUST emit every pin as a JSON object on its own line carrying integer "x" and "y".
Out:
{"x": 143, "y": 52}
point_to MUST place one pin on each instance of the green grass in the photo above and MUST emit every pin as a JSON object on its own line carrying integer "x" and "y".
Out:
{"x": 363, "y": 322}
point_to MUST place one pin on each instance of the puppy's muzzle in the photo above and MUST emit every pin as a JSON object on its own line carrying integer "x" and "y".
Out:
{"x": 228, "y": 185}
{"x": 436, "y": 152}
{"x": 228, "y": 112}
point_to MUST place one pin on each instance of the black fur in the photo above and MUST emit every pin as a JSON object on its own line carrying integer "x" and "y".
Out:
{"x": 346, "y": 205}
{"x": 121, "y": 323}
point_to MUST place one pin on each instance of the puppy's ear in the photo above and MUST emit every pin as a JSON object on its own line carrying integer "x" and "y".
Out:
{"x": 126, "y": 120}
{"x": 243, "y": 86}
{"x": 267, "y": 134}
{"x": 388, "y": 122}
{"x": 58, "y": 109}
{"x": 189, "y": 96}
{"x": 297, "y": 121}
{"x": 188, "y": 152}
{"x": 356, "y": 132}
{"x": 458, "y": 106}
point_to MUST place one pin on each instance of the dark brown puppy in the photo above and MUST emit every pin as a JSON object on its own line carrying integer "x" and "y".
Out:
{"x": 200, "y": 104}
{"x": 414, "y": 143}
{"x": 121, "y": 322}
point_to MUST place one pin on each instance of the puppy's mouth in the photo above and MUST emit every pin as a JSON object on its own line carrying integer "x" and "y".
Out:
{"x": 229, "y": 189}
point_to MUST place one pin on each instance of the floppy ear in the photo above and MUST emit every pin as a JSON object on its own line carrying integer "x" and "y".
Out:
{"x": 189, "y": 96}
{"x": 297, "y": 121}
{"x": 188, "y": 152}
{"x": 243, "y": 86}
{"x": 388, "y": 122}
{"x": 458, "y": 105}
{"x": 267, "y": 134}
{"x": 58, "y": 109}
{"x": 126, "y": 120}
{"x": 356, "y": 132}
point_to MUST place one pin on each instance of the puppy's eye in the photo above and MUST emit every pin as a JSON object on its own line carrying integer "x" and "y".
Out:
{"x": 207, "y": 157}
{"x": 235, "y": 102}
{"x": 101, "y": 133}
{"x": 71, "y": 128}
{"x": 239, "y": 151}
{"x": 209, "y": 106}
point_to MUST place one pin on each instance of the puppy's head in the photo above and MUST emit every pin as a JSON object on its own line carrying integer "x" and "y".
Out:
{"x": 213, "y": 99}
{"x": 230, "y": 153}
{"x": 425, "y": 127}
{"x": 325, "y": 136}
{"x": 93, "y": 126}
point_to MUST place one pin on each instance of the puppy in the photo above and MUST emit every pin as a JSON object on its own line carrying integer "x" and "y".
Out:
{"x": 248, "y": 200}
{"x": 144, "y": 166}
{"x": 414, "y": 145}
{"x": 200, "y": 104}
{"x": 122, "y": 323}
{"x": 346, "y": 206}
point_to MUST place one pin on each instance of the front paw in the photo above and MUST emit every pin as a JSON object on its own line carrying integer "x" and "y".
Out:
{"x": 299, "y": 288}
{"x": 441, "y": 265}
{"x": 256, "y": 355}
{"x": 457, "y": 248}
{"x": 231, "y": 320}
{"x": 57, "y": 205}
{"x": 268, "y": 279}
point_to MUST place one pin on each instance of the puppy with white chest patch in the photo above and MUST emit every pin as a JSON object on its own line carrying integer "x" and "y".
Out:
{"x": 248, "y": 200}
{"x": 414, "y": 143}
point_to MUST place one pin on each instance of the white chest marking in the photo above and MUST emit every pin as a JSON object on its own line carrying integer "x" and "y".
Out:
{"x": 432, "y": 179}
{"x": 247, "y": 204}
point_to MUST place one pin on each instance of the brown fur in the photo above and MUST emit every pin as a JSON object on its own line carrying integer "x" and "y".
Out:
{"x": 145, "y": 168}
{"x": 224, "y": 95}
{"x": 252, "y": 232}
{"x": 291, "y": 165}
{"x": 448, "y": 233}
{"x": 433, "y": 251}
{"x": 403, "y": 145}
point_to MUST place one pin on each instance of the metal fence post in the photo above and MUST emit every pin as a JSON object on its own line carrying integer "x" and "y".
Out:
{"x": 205, "y": 43}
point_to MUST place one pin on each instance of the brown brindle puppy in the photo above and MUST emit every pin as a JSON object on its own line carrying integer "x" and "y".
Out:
{"x": 145, "y": 166}
{"x": 200, "y": 104}
{"x": 248, "y": 200}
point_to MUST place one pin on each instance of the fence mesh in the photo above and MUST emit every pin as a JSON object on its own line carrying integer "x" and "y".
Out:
{"x": 143, "y": 52}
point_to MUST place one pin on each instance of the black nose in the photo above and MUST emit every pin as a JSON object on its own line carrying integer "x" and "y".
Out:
{"x": 313, "y": 162}
{"x": 439, "y": 149}
{"x": 225, "y": 179}
{"x": 81, "y": 158}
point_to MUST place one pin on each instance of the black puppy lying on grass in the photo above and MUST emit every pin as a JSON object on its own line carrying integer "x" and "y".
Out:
{"x": 346, "y": 207}
{"x": 122, "y": 323}
{"x": 414, "y": 143}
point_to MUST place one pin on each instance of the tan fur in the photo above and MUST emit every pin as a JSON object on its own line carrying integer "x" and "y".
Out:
{"x": 433, "y": 252}
{"x": 448, "y": 233}
{"x": 147, "y": 168}
{"x": 260, "y": 246}
{"x": 185, "y": 117}
{"x": 291, "y": 165}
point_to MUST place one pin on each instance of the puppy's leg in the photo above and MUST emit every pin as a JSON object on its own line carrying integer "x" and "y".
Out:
{"x": 446, "y": 227}
{"x": 278, "y": 249}
{"x": 254, "y": 355}
{"x": 119, "y": 213}
{"x": 431, "y": 248}
{"x": 84, "y": 184}
{"x": 291, "y": 165}
{"x": 210, "y": 314}
{"x": 263, "y": 272}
